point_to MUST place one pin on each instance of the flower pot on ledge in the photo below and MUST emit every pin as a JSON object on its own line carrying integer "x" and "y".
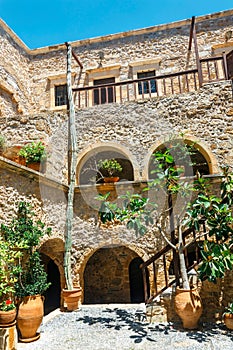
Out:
{"x": 111, "y": 179}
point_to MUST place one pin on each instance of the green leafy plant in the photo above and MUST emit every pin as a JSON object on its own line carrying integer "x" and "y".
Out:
{"x": 215, "y": 211}
{"x": 111, "y": 166}
{"x": 9, "y": 270}
{"x": 28, "y": 276}
{"x": 7, "y": 305}
{"x": 33, "y": 152}
{"x": 24, "y": 231}
{"x": 33, "y": 278}
{"x": 229, "y": 309}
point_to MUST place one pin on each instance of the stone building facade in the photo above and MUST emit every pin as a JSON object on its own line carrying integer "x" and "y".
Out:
{"x": 127, "y": 120}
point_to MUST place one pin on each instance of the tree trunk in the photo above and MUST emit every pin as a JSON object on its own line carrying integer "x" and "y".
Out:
{"x": 72, "y": 166}
{"x": 183, "y": 269}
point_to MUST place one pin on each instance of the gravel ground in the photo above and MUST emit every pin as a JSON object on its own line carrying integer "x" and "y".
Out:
{"x": 105, "y": 327}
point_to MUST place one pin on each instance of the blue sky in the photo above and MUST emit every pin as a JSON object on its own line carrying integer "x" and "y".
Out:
{"x": 48, "y": 22}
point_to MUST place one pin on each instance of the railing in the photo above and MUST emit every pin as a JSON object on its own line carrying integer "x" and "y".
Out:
{"x": 211, "y": 69}
{"x": 159, "y": 266}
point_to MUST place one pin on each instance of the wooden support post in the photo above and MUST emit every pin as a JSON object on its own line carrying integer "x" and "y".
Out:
{"x": 191, "y": 33}
{"x": 198, "y": 63}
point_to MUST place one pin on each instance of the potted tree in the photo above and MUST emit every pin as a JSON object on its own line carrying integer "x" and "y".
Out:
{"x": 214, "y": 211}
{"x": 109, "y": 168}
{"x": 29, "y": 289}
{"x": 228, "y": 316}
{"x": 34, "y": 154}
{"x": 23, "y": 235}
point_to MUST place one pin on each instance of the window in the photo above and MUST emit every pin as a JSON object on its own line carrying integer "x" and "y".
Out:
{"x": 61, "y": 95}
{"x": 105, "y": 94}
{"x": 147, "y": 86}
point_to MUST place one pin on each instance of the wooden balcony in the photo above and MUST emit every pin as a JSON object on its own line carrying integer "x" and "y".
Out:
{"x": 209, "y": 70}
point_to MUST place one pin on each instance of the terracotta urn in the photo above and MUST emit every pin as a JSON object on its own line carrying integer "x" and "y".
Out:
{"x": 29, "y": 318}
{"x": 72, "y": 298}
{"x": 188, "y": 307}
{"x": 228, "y": 320}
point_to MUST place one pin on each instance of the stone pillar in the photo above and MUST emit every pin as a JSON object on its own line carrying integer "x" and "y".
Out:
{"x": 8, "y": 338}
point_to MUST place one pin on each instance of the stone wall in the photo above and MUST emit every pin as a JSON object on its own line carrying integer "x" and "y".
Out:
{"x": 135, "y": 129}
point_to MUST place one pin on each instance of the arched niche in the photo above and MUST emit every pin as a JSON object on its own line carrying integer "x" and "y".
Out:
{"x": 89, "y": 172}
{"x": 200, "y": 157}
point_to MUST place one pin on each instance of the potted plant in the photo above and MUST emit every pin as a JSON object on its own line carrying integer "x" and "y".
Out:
{"x": 34, "y": 154}
{"x": 8, "y": 277}
{"x": 23, "y": 235}
{"x": 109, "y": 168}
{"x": 228, "y": 316}
{"x": 205, "y": 207}
{"x": 29, "y": 289}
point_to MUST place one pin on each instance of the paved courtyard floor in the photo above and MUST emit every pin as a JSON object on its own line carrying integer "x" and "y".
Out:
{"x": 105, "y": 327}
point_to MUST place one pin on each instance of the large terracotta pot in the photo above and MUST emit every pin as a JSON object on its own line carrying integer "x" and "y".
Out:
{"x": 30, "y": 315}
{"x": 72, "y": 298}
{"x": 188, "y": 307}
{"x": 7, "y": 318}
{"x": 228, "y": 320}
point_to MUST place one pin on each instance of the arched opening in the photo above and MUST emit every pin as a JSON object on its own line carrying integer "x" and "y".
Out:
{"x": 137, "y": 294}
{"x": 106, "y": 276}
{"x": 185, "y": 154}
{"x": 91, "y": 172}
{"x": 53, "y": 293}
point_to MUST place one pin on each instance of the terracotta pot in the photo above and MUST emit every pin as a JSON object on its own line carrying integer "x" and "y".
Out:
{"x": 188, "y": 307}
{"x": 228, "y": 320}
{"x": 111, "y": 179}
{"x": 30, "y": 315}
{"x": 7, "y": 318}
{"x": 34, "y": 166}
{"x": 72, "y": 298}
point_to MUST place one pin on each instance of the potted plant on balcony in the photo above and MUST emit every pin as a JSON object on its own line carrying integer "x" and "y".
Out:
{"x": 228, "y": 316}
{"x": 34, "y": 154}
{"x": 109, "y": 168}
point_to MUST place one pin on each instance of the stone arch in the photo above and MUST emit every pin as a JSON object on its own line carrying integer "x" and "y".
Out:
{"x": 122, "y": 284}
{"x": 200, "y": 146}
{"x": 111, "y": 148}
{"x": 52, "y": 251}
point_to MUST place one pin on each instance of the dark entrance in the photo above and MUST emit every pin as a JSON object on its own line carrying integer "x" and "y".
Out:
{"x": 137, "y": 294}
{"x": 52, "y": 295}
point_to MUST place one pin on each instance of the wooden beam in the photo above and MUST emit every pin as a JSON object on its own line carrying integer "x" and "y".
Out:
{"x": 198, "y": 63}
{"x": 77, "y": 59}
{"x": 191, "y": 33}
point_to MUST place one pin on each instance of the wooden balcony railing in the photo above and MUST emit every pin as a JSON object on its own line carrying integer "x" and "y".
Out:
{"x": 159, "y": 266}
{"x": 210, "y": 70}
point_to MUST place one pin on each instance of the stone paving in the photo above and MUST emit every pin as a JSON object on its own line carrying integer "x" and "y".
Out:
{"x": 105, "y": 327}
